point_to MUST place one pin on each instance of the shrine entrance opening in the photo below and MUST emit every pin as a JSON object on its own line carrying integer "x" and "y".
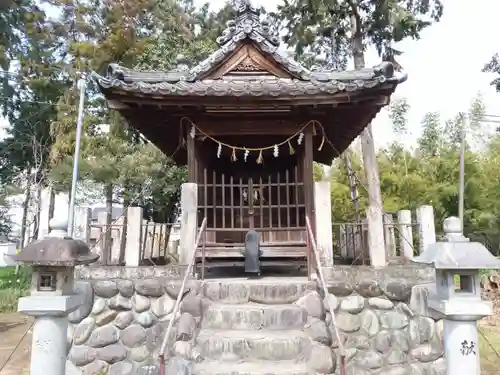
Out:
{"x": 264, "y": 192}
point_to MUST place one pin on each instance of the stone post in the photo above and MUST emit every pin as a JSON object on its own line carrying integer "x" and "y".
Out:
{"x": 83, "y": 220}
{"x": 134, "y": 230}
{"x": 323, "y": 210}
{"x": 389, "y": 237}
{"x": 101, "y": 237}
{"x": 51, "y": 296}
{"x": 376, "y": 243}
{"x": 427, "y": 230}
{"x": 43, "y": 225}
{"x": 405, "y": 233}
{"x": 117, "y": 229}
{"x": 458, "y": 294}
{"x": 189, "y": 221}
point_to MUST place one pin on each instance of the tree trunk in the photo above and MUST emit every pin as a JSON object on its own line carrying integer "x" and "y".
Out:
{"x": 123, "y": 237}
{"x": 38, "y": 209}
{"x": 26, "y": 203}
{"x": 370, "y": 165}
{"x": 358, "y": 234}
{"x": 352, "y": 185}
{"x": 106, "y": 250}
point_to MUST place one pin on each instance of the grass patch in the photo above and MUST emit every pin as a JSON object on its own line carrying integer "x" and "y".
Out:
{"x": 13, "y": 286}
{"x": 490, "y": 362}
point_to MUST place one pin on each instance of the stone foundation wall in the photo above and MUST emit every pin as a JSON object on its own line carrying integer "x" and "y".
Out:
{"x": 120, "y": 327}
{"x": 381, "y": 333}
{"x": 385, "y": 328}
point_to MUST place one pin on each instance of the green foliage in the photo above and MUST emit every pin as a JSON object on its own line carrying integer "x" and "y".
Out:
{"x": 489, "y": 341}
{"x": 429, "y": 174}
{"x": 493, "y": 66}
{"x": 318, "y": 172}
{"x": 398, "y": 111}
{"x": 143, "y": 34}
{"x": 5, "y": 220}
{"x": 13, "y": 286}
{"x": 333, "y": 28}
{"x": 41, "y": 60}
{"x": 48, "y": 56}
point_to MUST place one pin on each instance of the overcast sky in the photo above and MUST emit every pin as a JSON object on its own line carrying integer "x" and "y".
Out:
{"x": 444, "y": 66}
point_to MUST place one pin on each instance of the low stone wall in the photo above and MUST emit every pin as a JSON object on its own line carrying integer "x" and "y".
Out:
{"x": 381, "y": 332}
{"x": 405, "y": 275}
{"x": 120, "y": 327}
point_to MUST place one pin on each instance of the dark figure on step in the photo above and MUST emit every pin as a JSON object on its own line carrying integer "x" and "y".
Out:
{"x": 252, "y": 253}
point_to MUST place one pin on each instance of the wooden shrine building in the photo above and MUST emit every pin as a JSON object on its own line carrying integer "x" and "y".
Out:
{"x": 249, "y": 121}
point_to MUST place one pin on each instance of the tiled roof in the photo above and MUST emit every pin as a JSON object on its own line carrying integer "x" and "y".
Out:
{"x": 254, "y": 86}
{"x": 186, "y": 82}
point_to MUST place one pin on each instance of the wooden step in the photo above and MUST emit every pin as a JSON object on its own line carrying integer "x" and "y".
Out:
{"x": 267, "y": 252}
{"x": 228, "y": 262}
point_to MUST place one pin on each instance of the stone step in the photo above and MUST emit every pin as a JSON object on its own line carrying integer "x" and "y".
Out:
{"x": 254, "y": 316}
{"x": 251, "y": 368}
{"x": 270, "y": 345}
{"x": 271, "y": 291}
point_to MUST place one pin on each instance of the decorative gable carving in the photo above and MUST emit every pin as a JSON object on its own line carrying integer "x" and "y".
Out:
{"x": 247, "y": 59}
{"x": 248, "y": 65}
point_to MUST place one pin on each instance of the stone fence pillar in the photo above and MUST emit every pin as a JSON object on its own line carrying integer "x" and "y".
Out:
{"x": 376, "y": 241}
{"x": 323, "y": 211}
{"x": 82, "y": 223}
{"x": 405, "y": 232}
{"x": 133, "y": 246}
{"x": 189, "y": 221}
{"x": 427, "y": 230}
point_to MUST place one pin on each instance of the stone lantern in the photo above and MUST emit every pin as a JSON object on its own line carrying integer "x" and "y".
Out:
{"x": 458, "y": 294}
{"x": 51, "y": 297}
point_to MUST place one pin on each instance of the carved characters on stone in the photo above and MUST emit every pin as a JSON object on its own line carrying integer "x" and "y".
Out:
{"x": 468, "y": 348}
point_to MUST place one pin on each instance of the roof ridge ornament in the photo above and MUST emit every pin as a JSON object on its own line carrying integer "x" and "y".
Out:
{"x": 243, "y": 6}
{"x": 182, "y": 63}
{"x": 247, "y": 24}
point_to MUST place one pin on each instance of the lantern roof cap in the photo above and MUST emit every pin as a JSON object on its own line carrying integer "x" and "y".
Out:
{"x": 456, "y": 251}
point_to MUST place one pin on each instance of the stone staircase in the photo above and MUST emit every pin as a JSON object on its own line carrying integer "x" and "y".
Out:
{"x": 270, "y": 326}
{"x": 255, "y": 327}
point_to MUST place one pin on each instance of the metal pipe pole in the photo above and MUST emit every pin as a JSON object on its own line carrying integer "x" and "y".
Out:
{"x": 79, "y": 124}
{"x": 461, "y": 187}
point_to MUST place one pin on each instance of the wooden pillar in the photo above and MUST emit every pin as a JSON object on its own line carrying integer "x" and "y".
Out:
{"x": 308, "y": 176}
{"x": 191, "y": 158}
